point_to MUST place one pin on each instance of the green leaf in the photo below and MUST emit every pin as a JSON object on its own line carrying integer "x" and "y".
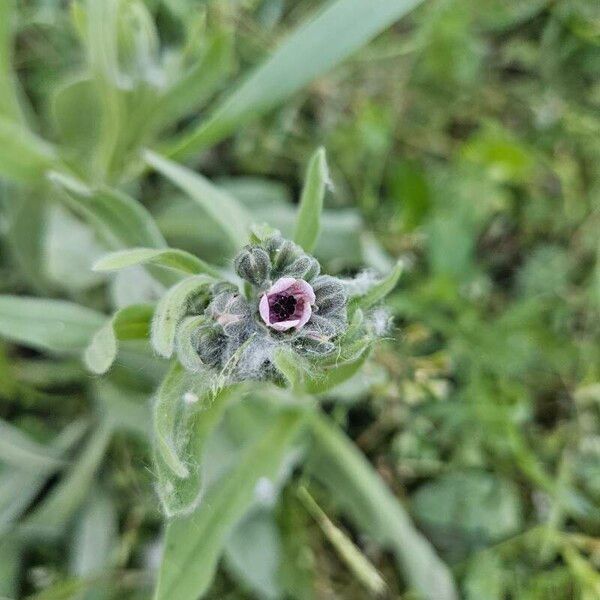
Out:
{"x": 171, "y": 258}
{"x": 171, "y": 309}
{"x": 55, "y": 512}
{"x": 323, "y": 380}
{"x": 253, "y": 554}
{"x": 194, "y": 543}
{"x": 360, "y": 492}
{"x": 20, "y": 451}
{"x": 19, "y": 488}
{"x": 477, "y": 507}
{"x": 167, "y": 408}
{"x": 316, "y": 46}
{"x": 292, "y": 366}
{"x": 53, "y": 325}
{"x": 202, "y": 80}
{"x": 95, "y": 536}
{"x": 24, "y": 157}
{"x": 9, "y": 97}
{"x": 226, "y": 211}
{"x": 308, "y": 223}
{"x": 129, "y": 323}
{"x": 10, "y": 563}
{"x": 380, "y": 290}
{"x": 121, "y": 221}
{"x": 187, "y": 412}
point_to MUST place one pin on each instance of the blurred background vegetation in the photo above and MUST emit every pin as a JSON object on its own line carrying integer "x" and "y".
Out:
{"x": 464, "y": 139}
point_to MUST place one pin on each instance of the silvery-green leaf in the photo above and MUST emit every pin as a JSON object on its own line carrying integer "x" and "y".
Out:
{"x": 194, "y": 543}
{"x": 54, "y": 325}
{"x": 380, "y": 290}
{"x": 198, "y": 411}
{"x": 129, "y": 410}
{"x": 253, "y": 553}
{"x": 171, "y": 258}
{"x": 18, "y": 488}
{"x": 95, "y": 536}
{"x": 70, "y": 249}
{"x": 121, "y": 221}
{"x": 24, "y": 157}
{"x": 324, "y": 379}
{"x": 61, "y": 503}
{"x": 362, "y": 495}
{"x": 20, "y": 451}
{"x": 129, "y": 323}
{"x": 171, "y": 310}
{"x": 224, "y": 209}
{"x": 292, "y": 366}
{"x": 308, "y": 221}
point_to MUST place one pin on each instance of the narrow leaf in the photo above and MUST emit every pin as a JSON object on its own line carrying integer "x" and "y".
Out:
{"x": 24, "y": 157}
{"x": 360, "y": 492}
{"x": 194, "y": 543}
{"x": 20, "y": 451}
{"x": 324, "y": 380}
{"x": 19, "y": 488}
{"x": 315, "y": 47}
{"x": 224, "y": 209}
{"x": 171, "y": 309}
{"x": 9, "y": 97}
{"x": 129, "y": 323}
{"x": 308, "y": 223}
{"x": 200, "y": 412}
{"x": 53, "y": 325}
{"x": 171, "y": 258}
{"x": 201, "y": 81}
{"x": 380, "y": 290}
{"x": 60, "y": 504}
{"x": 119, "y": 219}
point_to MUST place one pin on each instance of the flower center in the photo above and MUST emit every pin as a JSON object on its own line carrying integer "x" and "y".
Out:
{"x": 282, "y": 307}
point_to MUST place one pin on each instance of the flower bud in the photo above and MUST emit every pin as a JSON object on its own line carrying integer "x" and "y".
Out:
{"x": 330, "y": 295}
{"x": 253, "y": 265}
{"x": 231, "y": 312}
{"x": 209, "y": 342}
{"x": 283, "y": 253}
{"x": 305, "y": 267}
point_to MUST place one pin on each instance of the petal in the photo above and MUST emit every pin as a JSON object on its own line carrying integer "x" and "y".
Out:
{"x": 306, "y": 313}
{"x": 281, "y": 285}
{"x": 284, "y": 325}
{"x": 304, "y": 289}
{"x": 263, "y": 309}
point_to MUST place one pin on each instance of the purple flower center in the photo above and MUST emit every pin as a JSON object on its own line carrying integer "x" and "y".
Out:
{"x": 281, "y": 307}
{"x": 287, "y": 305}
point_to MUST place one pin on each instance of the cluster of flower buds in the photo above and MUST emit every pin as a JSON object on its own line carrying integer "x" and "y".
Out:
{"x": 285, "y": 301}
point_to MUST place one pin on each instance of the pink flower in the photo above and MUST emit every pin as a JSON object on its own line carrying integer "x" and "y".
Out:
{"x": 287, "y": 304}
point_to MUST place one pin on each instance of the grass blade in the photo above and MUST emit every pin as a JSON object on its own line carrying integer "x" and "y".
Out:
{"x": 365, "y": 498}
{"x": 314, "y": 48}
{"x": 308, "y": 223}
